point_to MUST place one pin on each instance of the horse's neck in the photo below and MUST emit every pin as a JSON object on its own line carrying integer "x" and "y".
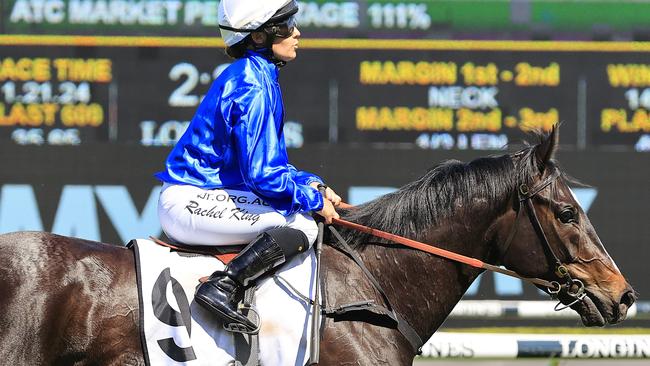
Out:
{"x": 423, "y": 288}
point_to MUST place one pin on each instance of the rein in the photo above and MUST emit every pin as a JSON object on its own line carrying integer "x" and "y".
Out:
{"x": 573, "y": 287}
{"x": 414, "y": 244}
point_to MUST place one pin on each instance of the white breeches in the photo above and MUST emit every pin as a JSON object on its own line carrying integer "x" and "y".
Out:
{"x": 196, "y": 216}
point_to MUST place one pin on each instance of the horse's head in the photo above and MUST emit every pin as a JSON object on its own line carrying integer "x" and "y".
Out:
{"x": 565, "y": 235}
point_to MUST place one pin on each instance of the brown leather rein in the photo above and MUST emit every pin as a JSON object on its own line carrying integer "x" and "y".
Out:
{"x": 573, "y": 287}
{"x": 428, "y": 248}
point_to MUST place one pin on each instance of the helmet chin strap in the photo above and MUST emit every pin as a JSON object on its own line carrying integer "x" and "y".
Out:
{"x": 267, "y": 52}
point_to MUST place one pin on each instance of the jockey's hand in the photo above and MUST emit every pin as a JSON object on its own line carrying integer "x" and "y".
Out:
{"x": 329, "y": 194}
{"x": 328, "y": 212}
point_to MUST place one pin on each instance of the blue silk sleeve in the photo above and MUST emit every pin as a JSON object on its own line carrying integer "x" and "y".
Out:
{"x": 263, "y": 159}
{"x": 302, "y": 177}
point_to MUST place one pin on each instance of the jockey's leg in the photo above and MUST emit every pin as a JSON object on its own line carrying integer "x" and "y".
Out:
{"x": 195, "y": 216}
{"x": 224, "y": 289}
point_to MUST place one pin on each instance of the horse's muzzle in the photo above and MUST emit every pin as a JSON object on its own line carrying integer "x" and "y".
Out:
{"x": 627, "y": 300}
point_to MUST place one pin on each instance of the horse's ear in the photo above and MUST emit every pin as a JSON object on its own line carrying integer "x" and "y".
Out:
{"x": 545, "y": 150}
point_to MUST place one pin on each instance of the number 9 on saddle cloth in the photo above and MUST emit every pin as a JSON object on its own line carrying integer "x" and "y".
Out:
{"x": 176, "y": 328}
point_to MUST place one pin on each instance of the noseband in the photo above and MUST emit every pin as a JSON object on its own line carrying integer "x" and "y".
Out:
{"x": 573, "y": 287}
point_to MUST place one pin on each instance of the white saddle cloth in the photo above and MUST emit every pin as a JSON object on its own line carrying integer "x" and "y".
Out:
{"x": 177, "y": 331}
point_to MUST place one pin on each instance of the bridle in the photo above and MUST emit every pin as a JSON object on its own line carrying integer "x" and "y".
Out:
{"x": 573, "y": 287}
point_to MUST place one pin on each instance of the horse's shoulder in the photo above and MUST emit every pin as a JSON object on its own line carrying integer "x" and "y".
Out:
{"x": 344, "y": 280}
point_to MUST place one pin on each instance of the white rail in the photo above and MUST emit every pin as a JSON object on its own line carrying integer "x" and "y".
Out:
{"x": 485, "y": 345}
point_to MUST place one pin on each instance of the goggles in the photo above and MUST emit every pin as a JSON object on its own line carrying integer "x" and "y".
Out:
{"x": 284, "y": 29}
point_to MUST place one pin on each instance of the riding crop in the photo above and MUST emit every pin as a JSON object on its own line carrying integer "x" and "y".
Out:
{"x": 314, "y": 350}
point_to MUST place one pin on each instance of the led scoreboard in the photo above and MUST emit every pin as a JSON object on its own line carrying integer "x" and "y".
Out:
{"x": 426, "y": 94}
{"x": 85, "y": 122}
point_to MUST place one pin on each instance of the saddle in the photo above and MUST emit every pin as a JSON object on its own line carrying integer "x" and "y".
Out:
{"x": 224, "y": 253}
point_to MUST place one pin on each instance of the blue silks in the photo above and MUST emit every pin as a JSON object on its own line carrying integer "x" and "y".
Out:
{"x": 235, "y": 140}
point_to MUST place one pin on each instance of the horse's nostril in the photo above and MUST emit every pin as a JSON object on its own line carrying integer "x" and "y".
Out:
{"x": 628, "y": 298}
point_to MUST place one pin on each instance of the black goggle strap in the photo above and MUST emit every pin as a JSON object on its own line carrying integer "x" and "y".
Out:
{"x": 242, "y": 30}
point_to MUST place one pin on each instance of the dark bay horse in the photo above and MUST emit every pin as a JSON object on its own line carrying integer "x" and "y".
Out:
{"x": 69, "y": 301}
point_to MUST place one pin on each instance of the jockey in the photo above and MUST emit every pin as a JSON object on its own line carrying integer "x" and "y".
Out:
{"x": 228, "y": 180}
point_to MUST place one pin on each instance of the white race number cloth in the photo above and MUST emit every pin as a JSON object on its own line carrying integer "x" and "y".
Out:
{"x": 179, "y": 332}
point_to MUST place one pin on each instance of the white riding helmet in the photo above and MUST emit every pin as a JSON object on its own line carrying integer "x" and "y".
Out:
{"x": 238, "y": 18}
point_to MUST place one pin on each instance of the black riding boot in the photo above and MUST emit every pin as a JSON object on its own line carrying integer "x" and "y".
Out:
{"x": 224, "y": 289}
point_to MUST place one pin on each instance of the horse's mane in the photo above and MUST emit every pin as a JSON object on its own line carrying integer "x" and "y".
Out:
{"x": 450, "y": 189}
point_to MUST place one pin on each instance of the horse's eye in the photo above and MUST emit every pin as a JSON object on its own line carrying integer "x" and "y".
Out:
{"x": 567, "y": 215}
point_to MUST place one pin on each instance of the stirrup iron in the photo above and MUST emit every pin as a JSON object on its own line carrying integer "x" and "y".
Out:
{"x": 241, "y": 328}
